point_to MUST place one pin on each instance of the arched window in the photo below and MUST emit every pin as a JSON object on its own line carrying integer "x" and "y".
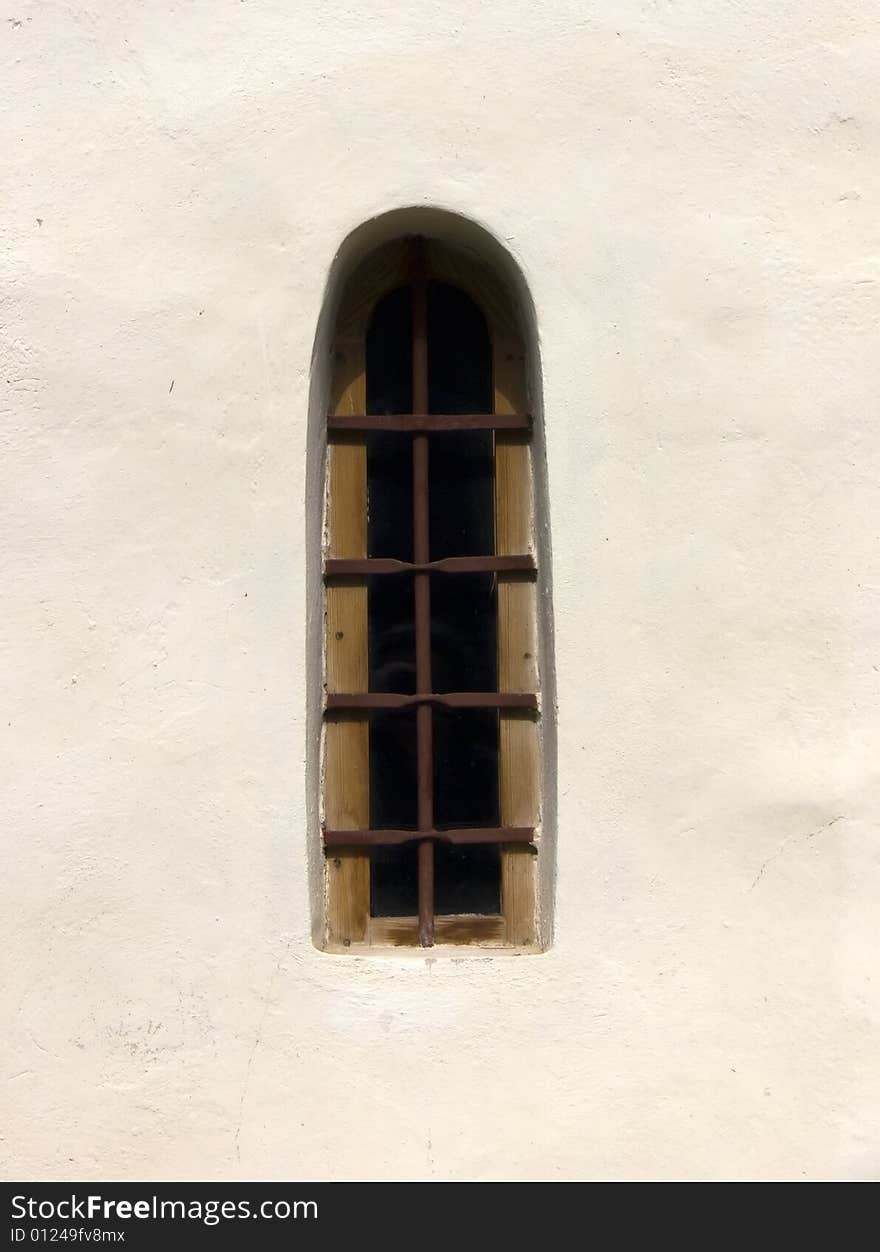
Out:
{"x": 431, "y": 813}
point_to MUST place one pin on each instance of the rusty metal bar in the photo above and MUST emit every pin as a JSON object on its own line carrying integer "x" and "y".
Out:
{"x": 470, "y": 834}
{"x": 422, "y": 556}
{"x": 424, "y": 422}
{"x": 443, "y": 699}
{"x": 347, "y": 567}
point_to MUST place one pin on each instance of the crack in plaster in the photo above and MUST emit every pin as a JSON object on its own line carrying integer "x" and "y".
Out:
{"x": 790, "y": 839}
{"x": 258, "y": 1038}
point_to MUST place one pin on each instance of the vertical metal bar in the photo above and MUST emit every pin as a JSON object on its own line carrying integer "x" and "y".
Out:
{"x": 421, "y": 555}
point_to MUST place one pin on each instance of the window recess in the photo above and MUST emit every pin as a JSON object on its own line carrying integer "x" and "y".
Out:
{"x": 431, "y": 762}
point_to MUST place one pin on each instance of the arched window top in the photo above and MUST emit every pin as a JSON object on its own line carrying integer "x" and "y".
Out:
{"x": 389, "y": 266}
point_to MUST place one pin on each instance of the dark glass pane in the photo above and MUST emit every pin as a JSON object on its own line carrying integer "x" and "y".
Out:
{"x": 389, "y": 456}
{"x": 389, "y": 354}
{"x": 461, "y": 474}
{"x": 459, "y": 353}
{"x": 391, "y": 633}
{"x": 467, "y": 878}
{"x": 461, "y": 464}
{"x": 465, "y": 767}
{"x": 394, "y": 881}
{"x": 393, "y": 802}
{"x": 393, "y": 805}
{"x": 464, "y": 632}
{"x": 390, "y": 496}
{"x": 463, "y": 607}
{"x": 391, "y": 637}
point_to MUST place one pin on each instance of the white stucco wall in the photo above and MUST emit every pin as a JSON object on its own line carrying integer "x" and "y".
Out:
{"x": 690, "y": 190}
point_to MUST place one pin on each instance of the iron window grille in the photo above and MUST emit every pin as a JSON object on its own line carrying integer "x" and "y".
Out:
{"x": 421, "y": 425}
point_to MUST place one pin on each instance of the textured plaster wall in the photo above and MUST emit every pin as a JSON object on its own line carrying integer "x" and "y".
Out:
{"x": 690, "y": 190}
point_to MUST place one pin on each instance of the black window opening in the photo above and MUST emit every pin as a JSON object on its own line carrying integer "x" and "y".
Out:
{"x": 463, "y": 612}
{"x": 436, "y": 838}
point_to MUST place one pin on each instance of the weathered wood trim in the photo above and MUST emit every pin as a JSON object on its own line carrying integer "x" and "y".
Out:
{"x": 347, "y": 743}
{"x": 470, "y": 929}
{"x": 517, "y": 645}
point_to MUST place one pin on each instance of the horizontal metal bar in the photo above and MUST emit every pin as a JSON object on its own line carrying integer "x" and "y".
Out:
{"x": 426, "y": 422}
{"x": 342, "y": 567}
{"x": 446, "y": 699}
{"x": 470, "y": 834}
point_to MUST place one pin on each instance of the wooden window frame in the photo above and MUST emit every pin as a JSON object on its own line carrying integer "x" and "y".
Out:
{"x": 346, "y": 769}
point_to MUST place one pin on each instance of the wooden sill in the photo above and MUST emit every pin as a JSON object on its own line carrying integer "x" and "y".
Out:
{"x": 458, "y": 930}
